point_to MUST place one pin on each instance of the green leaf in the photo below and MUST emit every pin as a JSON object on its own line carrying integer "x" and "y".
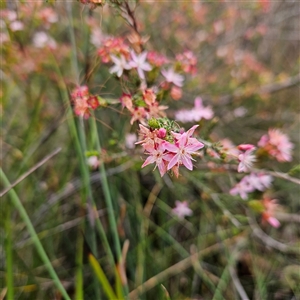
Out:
{"x": 101, "y": 277}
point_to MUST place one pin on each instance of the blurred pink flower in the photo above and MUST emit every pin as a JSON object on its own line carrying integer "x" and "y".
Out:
{"x": 270, "y": 208}
{"x": 16, "y": 26}
{"x": 250, "y": 183}
{"x": 130, "y": 139}
{"x": 182, "y": 209}
{"x": 115, "y": 46}
{"x": 149, "y": 96}
{"x": 176, "y": 92}
{"x": 120, "y": 65}
{"x": 138, "y": 114}
{"x": 277, "y": 145}
{"x": 138, "y": 61}
{"x": 246, "y": 160}
{"x": 242, "y": 188}
{"x": 188, "y": 61}
{"x": 93, "y": 162}
{"x": 173, "y": 77}
{"x": 42, "y": 39}
{"x": 195, "y": 114}
{"x": 156, "y": 110}
{"x": 156, "y": 59}
{"x": 126, "y": 101}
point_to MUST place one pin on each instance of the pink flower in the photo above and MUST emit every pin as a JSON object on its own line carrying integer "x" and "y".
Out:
{"x": 250, "y": 183}
{"x": 277, "y": 145}
{"x": 149, "y": 96}
{"x": 148, "y": 136}
{"x": 161, "y": 133}
{"x": 126, "y": 101}
{"x": 156, "y": 110}
{"x": 182, "y": 209}
{"x": 138, "y": 114}
{"x": 246, "y": 160}
{"x": 176, "y": 92}
{"x": 83, "y": 101}
{"x": 93, "y": 162}
{"x": 113, "y": 45}
{"x": 173, "y": 77}
{"x": 120, "y": 65}
{"x": 195, "y": 114}
{"x": 259, "y": 181}
{"x": 268, "y": 215}
{"x": 183, "y": 148}
{"x": 246, "y": 147}
{"x": 130, "y": 139}
{"x": 156, "y": 59}
{"x": 188, "y": 61}
{"x": 157, "y": 155}
{"x": 242, "y": 188}
{"x": 139, "y": 62}
{"x": 229, "y": 148}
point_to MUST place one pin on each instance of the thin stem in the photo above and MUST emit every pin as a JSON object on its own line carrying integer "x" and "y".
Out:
{"x": 39, "y": 247}
{"x": 9, "y": 255}
{"x": 108, "y": 199}
{"x": 83, "y": 166}
{"x": 39, "y": 164}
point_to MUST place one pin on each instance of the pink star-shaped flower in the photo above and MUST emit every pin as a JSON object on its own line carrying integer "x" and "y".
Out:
{"x": 139, "y": 62}
{"x": 183, "y": 148}
{"x": 182, "y": 209}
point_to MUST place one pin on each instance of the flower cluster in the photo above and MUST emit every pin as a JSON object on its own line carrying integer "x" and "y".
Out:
{"x": 166, "y": 73}
{"x": 143, "y": 106}
{"x": 276, "y": 144}
{"x": 187, "y": 61}
{"x": 83, "y": 101}
{"x": 250, "y": 183}
{"x": 166, "y": 148}
{"x": 113, "y": 46}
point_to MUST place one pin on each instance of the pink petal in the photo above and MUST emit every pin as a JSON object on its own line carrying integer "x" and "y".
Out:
{"x": 190, "y": 132}
{"x": 162, "y": 168}
{"x": 183, "y": 140}
{"x": 141, "y": 73}
{"x": 187, "y": 162}
{"x": 273, "y": 222}
{"x": 170, "y": 147}
{"x": 194, "y": 147}
{"x": 173, "y": 162}
{"x": 149, "y": 160}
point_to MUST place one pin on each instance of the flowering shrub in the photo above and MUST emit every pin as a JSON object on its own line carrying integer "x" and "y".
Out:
{"x": 177, "y": 143}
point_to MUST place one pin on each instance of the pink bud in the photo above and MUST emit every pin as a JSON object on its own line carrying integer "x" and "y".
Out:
{"x": 162, "y": 132}
{"x": 245, "y": 147}
{"x": 273, "y": 222}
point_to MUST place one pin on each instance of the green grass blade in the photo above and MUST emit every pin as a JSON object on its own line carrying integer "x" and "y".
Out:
{"x": 101, "y": 277}
{"x": 39, "y": 247}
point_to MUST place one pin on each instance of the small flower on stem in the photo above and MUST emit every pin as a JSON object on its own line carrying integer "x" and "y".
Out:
{"x": 246, "y": 159}
{"x": 173, "y": 77}
{"x": 183, "y": 148}
{"x": 138, "y": 61}
{"x": 182, "y": 209}
{"x": 120, "y": 65}
{"x": 268, "y": 215}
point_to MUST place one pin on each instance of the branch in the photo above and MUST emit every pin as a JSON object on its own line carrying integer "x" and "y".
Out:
{"x": 43, "y": 161}
{"x": 266, "y": 89}
{"x": 175, "y": 269}
{"x": 266, "y": 239}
